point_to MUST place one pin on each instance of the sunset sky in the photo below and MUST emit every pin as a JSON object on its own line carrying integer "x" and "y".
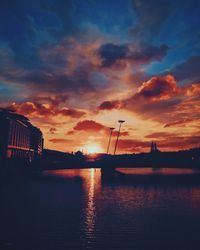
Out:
{"x": 75, "y": 67}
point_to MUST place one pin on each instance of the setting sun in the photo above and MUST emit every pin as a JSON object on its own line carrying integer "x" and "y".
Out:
{"x": 93, "y": 148}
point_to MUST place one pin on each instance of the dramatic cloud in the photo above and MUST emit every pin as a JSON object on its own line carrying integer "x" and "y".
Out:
{"x": 158, "y": 135}
{"x": 109, "y": 105}
{"x": 164, "y": 144}
{"x": 130, "y": 145}
{"x": 52, "y": 131}
{"x": 34, "y": 109}
{"x": 74, "y": 113}
{"x": 73, "y": 67}
{"x": 112, "y": 54}
{"x": 59, "y": 140}
{"x": 94, "y": 127}
{"x": 179, "y": 142}
{"x": 54, "y": 100}
{"x": 89, "y": 125}
{"x": 66, "y": 66}
{"x": 193, "y": 90}
{"x": 160, "y": 99}
{"x": 180, "y": 122}
{"x": 158, "y": 88}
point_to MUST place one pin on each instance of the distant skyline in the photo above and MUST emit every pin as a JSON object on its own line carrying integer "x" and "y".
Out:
{"x": 75, "y": 67}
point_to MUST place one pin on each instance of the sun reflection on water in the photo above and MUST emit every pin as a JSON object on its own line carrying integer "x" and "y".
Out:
{"x": 91, "y": 185}
{"x": 90, "y": 208}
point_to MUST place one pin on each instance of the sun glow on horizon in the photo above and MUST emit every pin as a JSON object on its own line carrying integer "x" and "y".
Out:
{"x": 93, "y": 149}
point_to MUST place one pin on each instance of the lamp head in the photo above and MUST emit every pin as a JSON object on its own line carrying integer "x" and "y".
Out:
{"x": 121, "y": 121}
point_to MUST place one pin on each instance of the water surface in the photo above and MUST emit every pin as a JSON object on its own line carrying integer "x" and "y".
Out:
{"x": 76, "y": 209}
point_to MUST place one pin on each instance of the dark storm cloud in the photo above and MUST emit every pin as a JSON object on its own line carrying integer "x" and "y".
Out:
{"x": 151, "y": 16}
{"x": 111, "y": 53}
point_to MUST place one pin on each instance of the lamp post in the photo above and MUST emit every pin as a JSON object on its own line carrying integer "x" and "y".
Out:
{"x": 120, "y": 124}
{"x": 111, "y": 130}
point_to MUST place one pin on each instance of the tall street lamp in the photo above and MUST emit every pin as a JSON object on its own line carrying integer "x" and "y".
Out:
{"x": 120, "y": 124}
{"x": 111, "y": 130}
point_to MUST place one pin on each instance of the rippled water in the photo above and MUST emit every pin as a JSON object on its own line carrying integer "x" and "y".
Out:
{"x": 76, "y": 209}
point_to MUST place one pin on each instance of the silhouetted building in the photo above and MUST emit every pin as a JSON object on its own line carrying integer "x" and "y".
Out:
{"x": 154, "y": 147}
{"x": 18, "y": 137}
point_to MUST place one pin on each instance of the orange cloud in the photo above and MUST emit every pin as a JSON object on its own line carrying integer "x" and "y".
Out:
{"x": 108, "y": 105}
{"x": 130, "y": 145}
{"x": 160, "y": 99}
{"x": 59, "y": 140}
{"x": 178, "y": 122}
{"x": 159, "y": 135}
{"x": 73, "y": 113}
{"x": 35, "y": 109}
{"x": 52, "y": 130}
{"x": 89, "y": 125}
{"x": 193, "y": 90}
{"x": 165, "y": 143}
{"x": 159, "y": 88}
{"x": 92, "y": 126}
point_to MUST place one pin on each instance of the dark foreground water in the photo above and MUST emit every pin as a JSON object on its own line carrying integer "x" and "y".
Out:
{"x": 76, "y": 209}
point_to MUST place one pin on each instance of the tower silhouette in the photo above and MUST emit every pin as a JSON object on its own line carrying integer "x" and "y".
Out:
{"x": 153, "y": 147}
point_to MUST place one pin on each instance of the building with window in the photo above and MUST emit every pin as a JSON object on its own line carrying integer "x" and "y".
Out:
{"x": 18, "y": 137}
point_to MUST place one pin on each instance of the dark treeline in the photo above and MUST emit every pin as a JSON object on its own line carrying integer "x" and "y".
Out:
{"x": 59, "y": 160}
{"x": 181, "y": 159}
